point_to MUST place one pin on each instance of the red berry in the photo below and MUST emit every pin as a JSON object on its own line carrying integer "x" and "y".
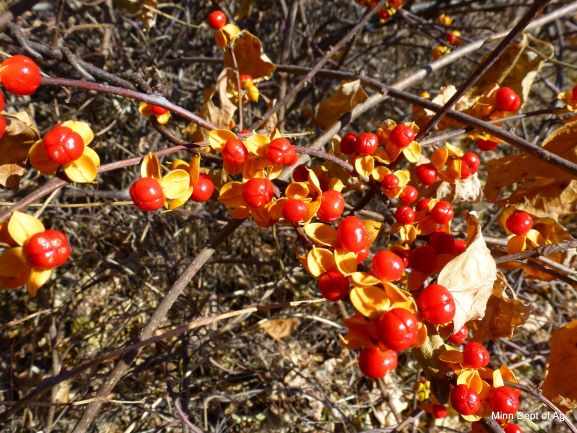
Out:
{"x": 1, "y": 100}
{"x": 443, "y": 212}
{"x": 352, "y": 234}
{"x": 203, "y": 189}
{"x": 475, "y": 355}
{"x": 402, "y": 253}
{"x": 63, "y": 145}
{"x": 439, "y": 411}
{"x": 2, "y": 125}
{"x": 281, "y": 151}
{"x": 48, "y": 249}
{"x": 402, "y": 135}
{"x": 398, "y": 329}
{"x": 436, "y": 304}
{"x": 333, "y": 285}
{"x": 301, "y": 173}
{"x": 147, "y": 194}
{"x": 464, "y": 400}
{"x": 507, "y": 100}
{"x": 502, "y": 399}
{"x": 367, "y": 143}
{"x": 408, "y": 195}
{"x": 234, "y": 152}
{"x": 332, "y": 206}
{"x": 243, "y": 78}
{"x": 423, "y": 259}
{"x": 20, "y": 75}
{"x": 574, "y": 94}
{"x": 443, "y": 243}
{"x": 348, "y": 143}
{"x": 459, "y": 246}
{"x": 157, "y": 110}
{"x": 387, "y": 266}
{"x": 294, "y": 210}
{"x": 453, "y": 39}
{"x": 363, "y": 254}
{"x": 460, "y": 336}
{"x": 427, "y": 174}
{"x": 512, "y": 428}
{"x": 423, "y": 205}
{"x": 465, "y": 171}
{"x": 390, "y": 181}
{"x": 472, "y": 160}
{"x": 519, "y": 223}
{"x": 405, "y": 215}
{"x": 486, "y": 144}
{"x": 257, "y": 192}
{"x": 375, "y": 363}
{"x": 217, "y": 20}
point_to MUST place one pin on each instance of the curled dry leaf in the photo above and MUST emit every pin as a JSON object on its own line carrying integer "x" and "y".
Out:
{"x": 348, "y": 95}
{"x": 470, "y": 276}
{"x": 21, "y": 133}
{"x": 561, "y": 381}
{"x": 538, "y": 188}
{"x": 250, "y": 57}
{"x": 463, "y": 190}
{"x": 280, "y": 328}
{"x": 502, "y": 316}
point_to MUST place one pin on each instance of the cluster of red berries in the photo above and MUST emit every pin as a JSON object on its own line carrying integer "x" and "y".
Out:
{"x": 19, "y": 75}
{"x": 385, "y": 12}
{"x": 502, "y": 400}
{"x": 367, "y": 142}
{"x": 47, "y": 249}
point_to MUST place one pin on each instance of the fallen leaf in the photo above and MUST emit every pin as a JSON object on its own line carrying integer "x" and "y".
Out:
{"x": 280, "y": 328}
{"x": 561, "y": 381}
{"x": 502, "y": 316}
{"x": 463, "y": 190}
{"x": 331, "y": 109}
{"x": 21, "y": 133}
{"x": 470, "y": 276}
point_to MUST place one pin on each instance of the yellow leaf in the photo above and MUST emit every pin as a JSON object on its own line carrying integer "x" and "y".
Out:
{"x": 279, "y": 328}
{"x": 231, "y": 194}
{"x": 13, "y": 262}
{"x": 22, "y": 227}
{"x": 36, "y": 279}
{"x": 370, "y": 301}
{"x": 322, "y": 234}
{"x": 347, "y": 97}
{"x": 82, "y": 129}
{"x": 250, "y": 57}
{"x": 39, "y": 159}
{"x": 175, "y": 184}
{"x": 346, "y": 261}
{"x": 560, "y": 382}
{"x": 150, "y": 167}
{"x": 82, "y": 170}
{"x": 470, "y": 277}
{"x": 257, "y": 144}
{"x": 364, "y": 165}
{"x": 319, "y": 261}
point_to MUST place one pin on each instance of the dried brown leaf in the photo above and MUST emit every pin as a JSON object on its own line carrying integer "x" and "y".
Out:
{"x": 20, "y": 135}
{"x": 348, "y": 95}
{"x": 502, "y": 316}
{"x": 470, "y": 276}
{"x": 250, "y": 57}
{"x": 561, "y": 381}
{"x": 537, "y": 187}
{"x": 280, "y": 328}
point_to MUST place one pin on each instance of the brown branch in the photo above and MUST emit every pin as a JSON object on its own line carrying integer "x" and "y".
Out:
{"x": 489, "y": 61}
{"x": 159, "y": 100}
{"x": 545, "y": 250}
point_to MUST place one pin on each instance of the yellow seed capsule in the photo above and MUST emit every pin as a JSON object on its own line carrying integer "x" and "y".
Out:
{"x": 445, "y": 20}
{"x": 252, "y": 93}
{"x": 440, "y": 51}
